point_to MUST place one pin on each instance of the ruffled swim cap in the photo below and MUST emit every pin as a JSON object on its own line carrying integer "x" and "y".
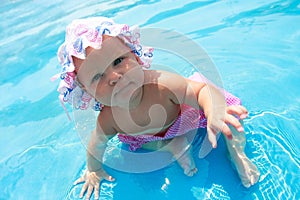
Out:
{"x": 83, "y": 33}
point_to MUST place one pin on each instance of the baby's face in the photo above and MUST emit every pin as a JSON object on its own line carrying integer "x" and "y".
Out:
{"x": 111, "y": 74}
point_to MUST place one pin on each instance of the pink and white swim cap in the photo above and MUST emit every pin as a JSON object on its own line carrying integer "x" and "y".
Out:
{"x": 83, "y": 33}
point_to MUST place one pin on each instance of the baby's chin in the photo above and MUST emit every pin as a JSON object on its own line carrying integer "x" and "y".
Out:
{"x": 127, "y": 99}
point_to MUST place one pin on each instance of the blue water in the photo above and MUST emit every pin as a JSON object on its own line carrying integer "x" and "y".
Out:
{"x": 255, "y": 46}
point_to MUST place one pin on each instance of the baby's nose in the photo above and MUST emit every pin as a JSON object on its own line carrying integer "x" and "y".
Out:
{"x": 114, "y": 78}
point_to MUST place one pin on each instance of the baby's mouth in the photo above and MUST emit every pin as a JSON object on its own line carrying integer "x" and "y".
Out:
{"x": 123, "y": 88}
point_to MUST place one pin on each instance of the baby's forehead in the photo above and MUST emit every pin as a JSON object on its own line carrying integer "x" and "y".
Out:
{"x": 111, "y": 48}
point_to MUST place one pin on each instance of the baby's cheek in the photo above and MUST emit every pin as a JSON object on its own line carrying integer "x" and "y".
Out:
{"x": 103, "y": 94}
{"x": 92, "y": 90}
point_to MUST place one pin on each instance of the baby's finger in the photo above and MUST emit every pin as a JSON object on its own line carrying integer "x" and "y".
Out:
{"x": 212, "y": 137}
{"x": 240, "y": 111}
{"x": 244, "y": 113}
{"x": 109, "y": 178}
{"x": 234, "y": 110}
{"x": 89, "y": 192}
{"x": 80, "y": 180}
{"x": 96, "y": 192}
{"x": 226, "y": 131}
{"x": 83, "y": 189}
{"x": 234, "y": 122}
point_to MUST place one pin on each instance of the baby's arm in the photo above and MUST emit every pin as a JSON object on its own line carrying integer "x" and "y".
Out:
{"x": 217, "y": 112}
{"x": 95, "y": 173}
{"x": 95, "y": 151}
{"x": 215, "y": 108}
{"x": 209, "y": 98}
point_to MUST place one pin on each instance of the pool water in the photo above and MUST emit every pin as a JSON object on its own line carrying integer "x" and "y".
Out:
{"x": 255, "y": 47}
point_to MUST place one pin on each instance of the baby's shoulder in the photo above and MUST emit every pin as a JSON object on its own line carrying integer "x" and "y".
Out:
{"x": 168, "y": 83}
{"x": 163, "y": 77}
{"x": 105, "y": 120}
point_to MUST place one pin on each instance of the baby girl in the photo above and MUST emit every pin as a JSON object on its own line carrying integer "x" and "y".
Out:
{"x": 145, "y": 108}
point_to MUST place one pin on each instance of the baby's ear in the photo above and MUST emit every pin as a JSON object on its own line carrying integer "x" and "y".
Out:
{"x": 77, "y": 63}
{"x": 78, "y": 83}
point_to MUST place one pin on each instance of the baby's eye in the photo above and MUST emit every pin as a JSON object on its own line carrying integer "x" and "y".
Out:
{"x": 96, "y": 77}
{"x": 118, "y": 61}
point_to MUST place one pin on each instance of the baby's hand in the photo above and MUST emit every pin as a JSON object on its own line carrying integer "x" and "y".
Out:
{"x": 219, "y": 121}
{"x": 92, "y": 182}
